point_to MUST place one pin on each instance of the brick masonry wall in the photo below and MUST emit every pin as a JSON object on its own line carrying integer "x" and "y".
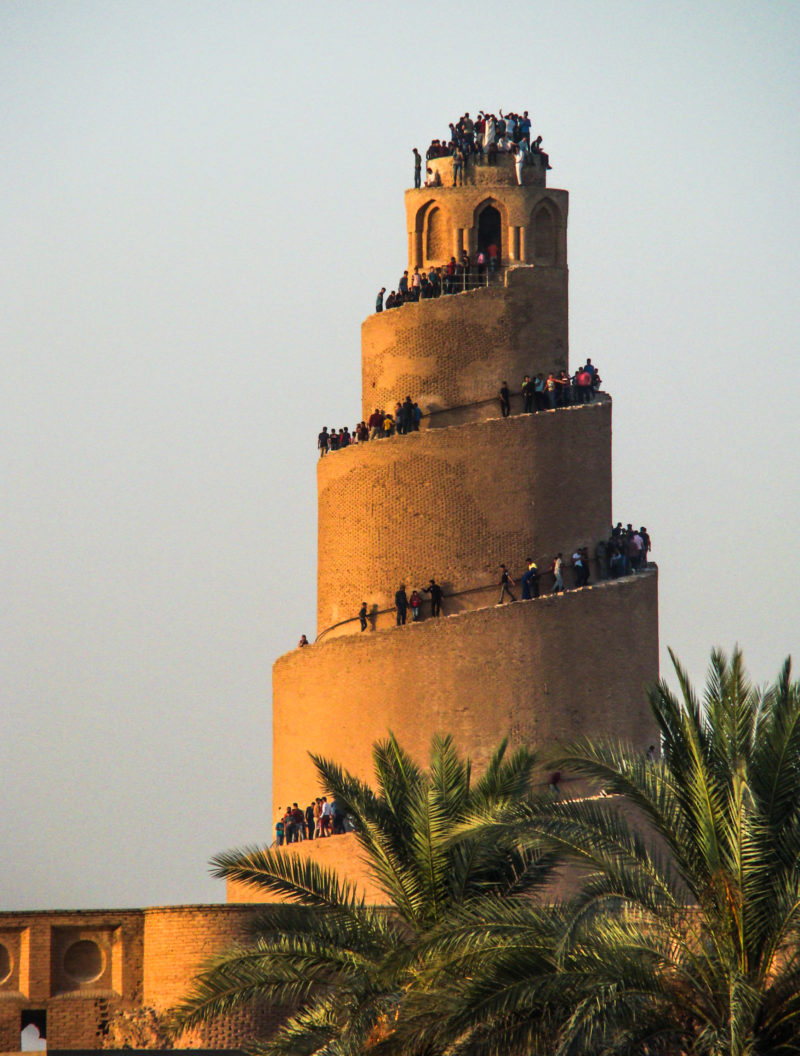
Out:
{"x": 458, "y": 217}
{"x": 455, "y": 350}
{"x": 178, "y": 941}
{"x": 503, "y": 174}
{"x": 455, "y": 503}
{"x": 41, "y": 953}
{"x": 540, "y": 671}
{"x": 147, "y": 961}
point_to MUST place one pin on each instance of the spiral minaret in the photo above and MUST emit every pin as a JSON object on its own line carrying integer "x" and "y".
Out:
{"x": 470, "y": 490}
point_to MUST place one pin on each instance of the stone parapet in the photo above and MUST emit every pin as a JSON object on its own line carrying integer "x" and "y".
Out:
{"x": 481, "y": 174}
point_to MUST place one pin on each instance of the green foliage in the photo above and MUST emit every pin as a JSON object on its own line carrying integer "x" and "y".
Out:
{"x": 346, "y": 967}
{"x": 683, "y": 936}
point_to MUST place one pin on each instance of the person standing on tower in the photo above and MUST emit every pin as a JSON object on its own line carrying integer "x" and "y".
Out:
{"x": 519, "y": 161}
{"x": 525, "y": 128}
{"x": 322, "y": 441}
{"x": 435, "y": 592}
{"x": 646, "y": 545}
{"x": 417, "y": 168}
{"x": 558, "y": 578}
{"x": 401, "y": 604}
{"x": 362, "y": 615}
{"x": 530, "y": 581}
{"x": 458, "y": 167}
{"x": 468, "y": 128}
{"x": 506, "y": 582}
{"x": 379, "y": 300}
{"x": 527, "y": 393}
{"x": 408, "y": 412}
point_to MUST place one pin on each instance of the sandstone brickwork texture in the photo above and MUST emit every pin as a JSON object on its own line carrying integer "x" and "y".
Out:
{"x": 541, "y": 671}
{"x": 468, "y": 492}
{"x": 446, "y": 221}
{"x": 455, "y": 504}
{"x": 78, "y": 968}
{"x": 481, "y": 174}
{"x": 450, "y": 354}
{"x": 107, "y": 978}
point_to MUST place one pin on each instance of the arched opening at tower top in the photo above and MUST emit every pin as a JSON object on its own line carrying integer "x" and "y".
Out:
{"x": 545, "y": 249}
{"x": 490, "y": 231}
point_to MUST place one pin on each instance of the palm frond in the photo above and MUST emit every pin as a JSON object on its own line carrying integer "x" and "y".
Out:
{"x": 287, "y": 875}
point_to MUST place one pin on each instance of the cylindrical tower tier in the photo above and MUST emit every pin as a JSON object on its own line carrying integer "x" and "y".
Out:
{"x": 541, "y": 671}
{"x": 525, "y": 225}
{"x": 450, "y": 354}
{"x": 479, "y": 173}
{"x": 455, "y": 504}
{"x": 467, "y": 492}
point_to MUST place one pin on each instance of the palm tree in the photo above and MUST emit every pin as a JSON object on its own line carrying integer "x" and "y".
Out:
{"x": 684, "y": 937}
{"x": 343, "y": 965}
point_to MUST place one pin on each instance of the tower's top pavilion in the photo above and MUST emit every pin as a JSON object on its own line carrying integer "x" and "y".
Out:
{"x": 526, "y": 221}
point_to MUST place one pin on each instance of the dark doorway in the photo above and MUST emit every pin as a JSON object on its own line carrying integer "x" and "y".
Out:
{"x": 490, "y": 232}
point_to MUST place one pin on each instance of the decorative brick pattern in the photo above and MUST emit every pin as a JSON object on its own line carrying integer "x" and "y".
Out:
{"x": 148, "y": 961}
{"x": 78, "y": 1009}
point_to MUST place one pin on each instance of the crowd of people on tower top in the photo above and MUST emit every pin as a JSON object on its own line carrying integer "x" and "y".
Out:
{"x": 320, "y": 818}
{"x": 482, "y": 138}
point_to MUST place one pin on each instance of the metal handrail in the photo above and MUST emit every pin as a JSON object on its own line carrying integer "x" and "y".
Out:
{"x": 461, "y": 282}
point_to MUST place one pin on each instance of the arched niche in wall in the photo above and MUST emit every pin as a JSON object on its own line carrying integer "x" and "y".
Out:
{"x": 544, "y": 228}
{"x": 436, "y": 228}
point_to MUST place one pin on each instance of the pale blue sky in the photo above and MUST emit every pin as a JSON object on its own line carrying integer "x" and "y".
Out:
{"x": 198, "y": 202}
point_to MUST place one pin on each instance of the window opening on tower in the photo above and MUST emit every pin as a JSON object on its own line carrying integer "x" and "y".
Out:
{"x": 490, "y": 231}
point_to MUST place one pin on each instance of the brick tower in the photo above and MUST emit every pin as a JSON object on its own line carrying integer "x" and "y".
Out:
{"x": 470, "y": 490}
